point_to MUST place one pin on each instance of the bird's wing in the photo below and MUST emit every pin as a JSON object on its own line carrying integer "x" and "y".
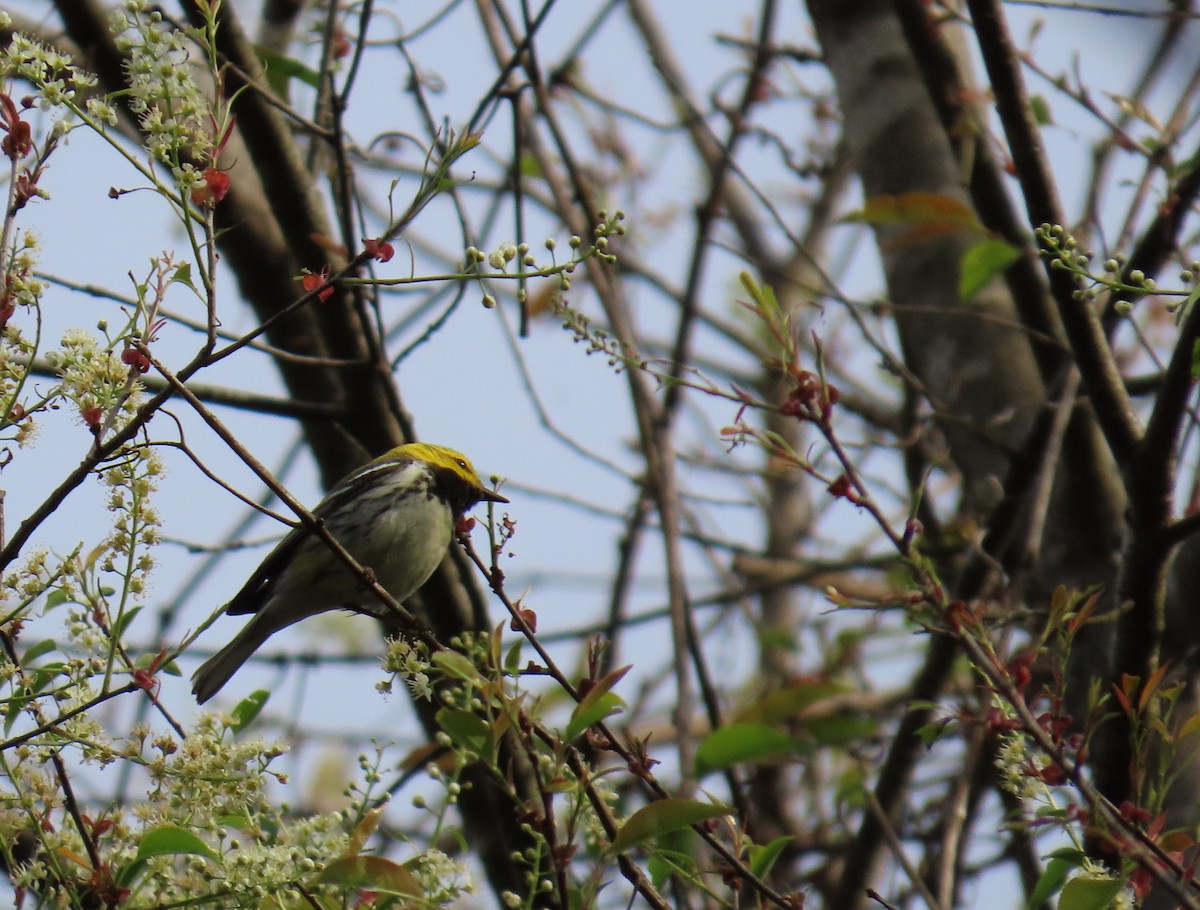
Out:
{"x": 257, "y": 589}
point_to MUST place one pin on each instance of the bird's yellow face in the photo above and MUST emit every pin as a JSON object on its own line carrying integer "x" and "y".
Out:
{"x": 449, "y": 460}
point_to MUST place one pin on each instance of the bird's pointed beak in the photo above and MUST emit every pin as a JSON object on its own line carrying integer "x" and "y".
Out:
{"x": 491, "y": 496}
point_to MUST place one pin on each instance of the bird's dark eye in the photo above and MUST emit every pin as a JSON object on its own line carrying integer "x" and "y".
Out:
{"x": 461, "y": 462}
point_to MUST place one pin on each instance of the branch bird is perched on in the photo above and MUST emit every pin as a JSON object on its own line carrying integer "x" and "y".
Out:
{"x": 395, "y": 516}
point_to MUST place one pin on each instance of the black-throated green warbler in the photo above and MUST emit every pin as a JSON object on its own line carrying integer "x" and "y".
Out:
{"x": 395, "y": 516}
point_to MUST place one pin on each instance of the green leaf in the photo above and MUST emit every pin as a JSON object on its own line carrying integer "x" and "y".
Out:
{"x": 851, "y": 791}
{"x": 673, "y": 854}
{"x": 123, "y": 621}
{"x": 661, "y": 866}
{"x": 170, "y": 668}
{"x": 280, "y": 69}
{"x": 1075, "y": 856}
{"x": 662, "y": 817}
{"x": 16, "y": 705}
{"x": 777, "y": 638}
{"x": 737, "y": 743}
{"x": 530, "y": 166}
{"x": 240, "y": 821}
{"x": 363, "y": 830}
{"x": 1137, "y": 109}
{"x": 598, "y": 704}
{"x": 373, "y": 873}
{"x": 931, "y": 732}
{"x": 1041, "y": 111}
{"x": 840, "y": 728}
{"x": 465, "y": 143}
{"x": 247, "y": 709}
{"x": 42, "y": 647}
{"x": 168, "y": 840}
{"x": 57, "y": 597}
{"x": 1082, "y": 893}
{"x": 454, "y": 664}
{"x": 1051, "y": 881}
{"x": 466, "y": 729}
{"x": 763, "y": 295}
{"x": 591, "y": 710}
{"x": 41, "y": 677}
{"x": 1195, "y": 371}
{"x": 512, "y": 658}
{"x": 983, "y": 262}
{"x": 183, "y": 275}
{"x": 763, "y": 857}
{"x": 171, "y": 840}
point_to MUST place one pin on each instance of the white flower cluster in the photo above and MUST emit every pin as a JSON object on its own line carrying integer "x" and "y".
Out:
{"x": 94, "y": 378}
{"x": 23, "y": 288}
{"x": 595, "y": 835}
{"x": 410, "y": 662}
{"x": 442, "y": 878}
{"x": 136, "y": 528}
{"x": 204, "y": 782}
{"x": 1012, "y": 761}
{"x": 83, "y": 632}
{"x": 20, "y": 288}
{"x": 174, "y": 113}
{"x": 27, "y": 581}
{"x": 208, "y": 783}
{"x": 53, "y": 75}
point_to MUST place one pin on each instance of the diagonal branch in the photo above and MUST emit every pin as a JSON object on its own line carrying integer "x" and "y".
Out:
{"x": 1101, "y": 378}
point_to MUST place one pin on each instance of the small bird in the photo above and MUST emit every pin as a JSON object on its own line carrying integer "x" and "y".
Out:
{"x": 395, "y": 516}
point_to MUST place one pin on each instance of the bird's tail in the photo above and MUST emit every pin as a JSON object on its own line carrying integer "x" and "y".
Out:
{"x": 215, "y": 671}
